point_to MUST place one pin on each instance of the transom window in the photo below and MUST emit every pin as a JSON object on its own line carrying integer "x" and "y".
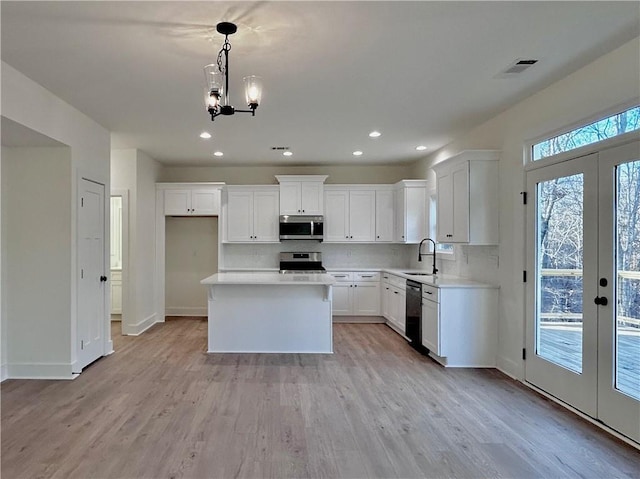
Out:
{"x": 614, "y": 125}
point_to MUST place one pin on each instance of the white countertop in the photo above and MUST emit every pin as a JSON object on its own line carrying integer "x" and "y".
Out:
{"x": 262, "y": 277}
{"x": 439, "y": 280}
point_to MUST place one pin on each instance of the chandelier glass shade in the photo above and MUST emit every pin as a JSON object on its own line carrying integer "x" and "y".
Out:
{"x": 217, "y": 81}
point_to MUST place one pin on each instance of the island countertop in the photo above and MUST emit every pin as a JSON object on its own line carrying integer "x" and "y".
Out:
{"x": 272, "y": 278}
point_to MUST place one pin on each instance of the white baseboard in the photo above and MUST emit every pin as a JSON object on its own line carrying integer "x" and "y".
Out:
{"x": 186, "y": 311}
{"x": 358, "y": 319}
{"x": 140, "y": 327}
{"x": 40, "y": 371}
{"x": 4, "y": 372}
{"x": 510, "y": 367}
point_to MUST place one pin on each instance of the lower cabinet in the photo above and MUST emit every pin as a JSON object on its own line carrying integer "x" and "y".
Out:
{"x": 459, "y": 325}
{"x": 356, "y": 293}
{"x": 394, "y": 300}
{"x": 116, "y": 291}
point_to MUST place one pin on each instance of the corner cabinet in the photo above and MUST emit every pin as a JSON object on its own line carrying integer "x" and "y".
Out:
{"x": 251, "y": 214}
{"x": 191, "y": 199}
{"x": 410, "y": 211}
{"x": 467, "y": 198}
{"x": 301, "y": 194}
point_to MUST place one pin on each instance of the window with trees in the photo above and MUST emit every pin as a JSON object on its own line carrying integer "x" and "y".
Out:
{"x": 618, "y": 124}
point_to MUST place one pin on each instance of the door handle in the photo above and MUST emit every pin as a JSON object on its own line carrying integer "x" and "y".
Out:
{"x": 103, "y": 278}
{"x": 601, "y": 300}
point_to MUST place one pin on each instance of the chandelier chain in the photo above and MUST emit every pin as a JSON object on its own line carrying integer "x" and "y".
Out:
{"x": 226, "y": 48}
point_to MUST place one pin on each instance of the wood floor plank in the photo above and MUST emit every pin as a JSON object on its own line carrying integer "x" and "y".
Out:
{"x": 160, "y": 406}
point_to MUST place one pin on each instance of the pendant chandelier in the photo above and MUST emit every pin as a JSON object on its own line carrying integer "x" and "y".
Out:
{"x": 217, "y": 80}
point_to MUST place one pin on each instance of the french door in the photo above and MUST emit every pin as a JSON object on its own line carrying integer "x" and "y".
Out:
{"x": 583, "y": 301}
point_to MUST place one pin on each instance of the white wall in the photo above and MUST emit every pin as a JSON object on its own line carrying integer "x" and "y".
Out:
{"x": 30, "y": 105}
{"x": 135, "y": 171}
{"x": 191, "y": 254}
{"x": 612, "y": 80}
{"x": 37, "y": 224}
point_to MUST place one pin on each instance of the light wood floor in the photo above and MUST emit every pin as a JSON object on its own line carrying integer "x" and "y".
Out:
{"x": 160, "y": 407}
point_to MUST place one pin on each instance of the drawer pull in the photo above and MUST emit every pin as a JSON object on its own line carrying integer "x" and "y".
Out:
{"x": 366, "y": 276}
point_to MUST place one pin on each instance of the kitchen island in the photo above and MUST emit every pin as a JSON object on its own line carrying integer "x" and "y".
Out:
{"x": 268, "y": 312}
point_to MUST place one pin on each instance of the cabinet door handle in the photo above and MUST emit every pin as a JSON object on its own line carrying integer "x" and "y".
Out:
{"x": 428, "y": 292}
{"x": 303, "y": 211}
{"x": 395, "y": 292}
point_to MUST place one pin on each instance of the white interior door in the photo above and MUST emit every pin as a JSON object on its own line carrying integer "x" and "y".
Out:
{"x": 619, "y": 282}
{"x": 561, "y": 316}
{"x": 92, "y": 273}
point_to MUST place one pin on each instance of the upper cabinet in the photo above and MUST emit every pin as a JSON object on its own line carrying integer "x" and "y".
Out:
{"x": 196, "y": 199}
{"x": 410, "y": 211}
{"x": 301, "y": 194}
{"x": 385, "y": 214}
{"x": 350, "y": 214}
{"x": 467, "y": 198}
{"x": 251, "y": 214}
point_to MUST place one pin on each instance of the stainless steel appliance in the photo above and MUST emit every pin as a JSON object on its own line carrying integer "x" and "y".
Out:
{"x": 306, "y": 263}
{"x": 413, "y": 326}
{"x": 299, "y": 227}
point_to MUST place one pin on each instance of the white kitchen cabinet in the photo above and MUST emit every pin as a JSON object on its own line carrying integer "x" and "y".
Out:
{"x": 192, "y": 201}
{"x": 350, "y": 215}
{"x": 410, "y": 211}
{"x": 116, "y": 291}
{"x": 251, "y": 214}
{"x": 467, "y": 198}
{"x": 459, "y": 325}
{"x": 394, "y": 300}
{"x": 301, "y": 194}
{"x": 385, "y": 214}
{"x": 356, "y": 293}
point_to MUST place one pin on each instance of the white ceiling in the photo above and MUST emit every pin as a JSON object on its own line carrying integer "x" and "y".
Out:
{"x": 420, "y": 72}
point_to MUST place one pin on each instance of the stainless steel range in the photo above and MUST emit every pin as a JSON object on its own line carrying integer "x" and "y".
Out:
{"x": 303, "y": 263}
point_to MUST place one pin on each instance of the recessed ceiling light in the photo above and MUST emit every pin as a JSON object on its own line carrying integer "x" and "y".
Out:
{"x": 375, "y": 134}
{"x": 287, "y": 153}
{"x": 357, "y": 153}
{"x": 218, "y": 153}
{"x": 421, "y": 148}
{"x": 205, "y": 135}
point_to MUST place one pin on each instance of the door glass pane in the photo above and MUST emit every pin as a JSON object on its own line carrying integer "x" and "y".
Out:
{"x": 559, "y": 271}
{"x": 627, "y": 303}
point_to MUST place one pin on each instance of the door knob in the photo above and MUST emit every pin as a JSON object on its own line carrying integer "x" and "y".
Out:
{"x": 602, "y": 300}
{"x": 103, "y": 278}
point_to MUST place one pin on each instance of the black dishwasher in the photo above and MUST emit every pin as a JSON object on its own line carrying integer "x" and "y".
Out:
{"x": 413, "y": 327}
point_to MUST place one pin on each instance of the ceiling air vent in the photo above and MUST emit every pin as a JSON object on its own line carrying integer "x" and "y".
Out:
{"x": 516, "y": 68}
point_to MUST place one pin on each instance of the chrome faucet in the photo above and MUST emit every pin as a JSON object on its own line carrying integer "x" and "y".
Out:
{"x": 420, "y": 254}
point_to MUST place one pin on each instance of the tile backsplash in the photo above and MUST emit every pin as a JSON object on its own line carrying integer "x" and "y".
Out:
{"x": 334, "y": 256}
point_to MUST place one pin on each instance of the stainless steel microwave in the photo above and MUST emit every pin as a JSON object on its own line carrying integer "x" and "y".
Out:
{"x": 301, "y": 227}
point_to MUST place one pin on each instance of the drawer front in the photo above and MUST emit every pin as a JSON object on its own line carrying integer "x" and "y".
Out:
{"x": 341, "y": 276}
{"x": 430, "y": 293}
{"x": 397, "y": 281}
{"x": 366, "y": 276}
